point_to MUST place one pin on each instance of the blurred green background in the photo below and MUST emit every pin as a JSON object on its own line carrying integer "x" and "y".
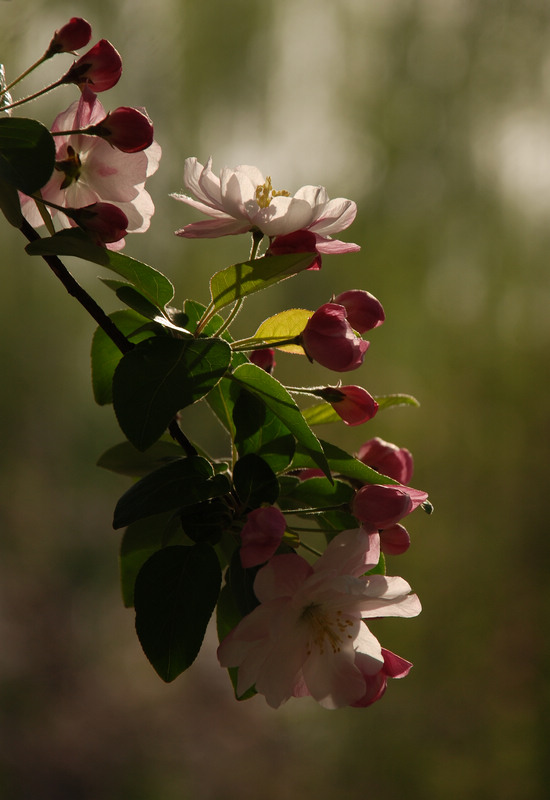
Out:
{"x": 434, "y": 115}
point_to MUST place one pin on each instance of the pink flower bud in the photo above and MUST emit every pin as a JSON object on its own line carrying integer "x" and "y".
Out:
{"x": 72, "y": 36}
{"x": 387, "y": 458}
{"x": 127, "y": 129}
{"x": 363, "y": 309}
{"x": 352, "y": 403}
{"x": 104, "y": 221}
{"x": 297, "y": 242}
{"x": 261, "y": 535}
{"x": 329, "y": 339}
{"x": 394, "y": 540}
{"x": 264, "y": 358}
{"x": 378, "y": 506}
{"x": 100, "y": 67}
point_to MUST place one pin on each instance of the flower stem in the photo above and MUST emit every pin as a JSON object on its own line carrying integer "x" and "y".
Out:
{"x": 23, "y": 75}
{"x": 104, "y": 322}
{"x": 230, "y": 317}
{"x": 33, "y": 96}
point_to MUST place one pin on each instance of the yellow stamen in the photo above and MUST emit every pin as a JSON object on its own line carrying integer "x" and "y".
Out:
{"x": 265, "y": 193}
{"x": 323, "y": 627}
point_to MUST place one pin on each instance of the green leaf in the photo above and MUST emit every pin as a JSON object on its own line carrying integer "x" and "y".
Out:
{"x": 125, "y": 459}
{"x": 243, "y": 279}
{"x": 320, "y": 414}
{"x": 151, "y": 283}
{"x": 227, "y": 617}
{"x": 388, "y": 400}
{"x": 9, "y": 203}
{"x": 159, "y": 377}
{"x": 206, "y": 522}
{"x": 315, "y": 493}
{"x": 139, "y": 542}
{"x": 130, "y": 296}
{"x": 258, "y": 430}
{"x": 276, "y": 397}
{"x": 175, "y": 594}
{"x": 27, "y": 153}
{"x": 106, "y": 355}
{"x": 287, "y": 324}
{"x": 254, "y": 481}
{"x": 341, "y": 463}
{"x": 175, "y": 485}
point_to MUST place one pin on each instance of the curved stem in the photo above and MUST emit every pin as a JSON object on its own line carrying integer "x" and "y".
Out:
{"x": 33, "y": 96}
{"x": 104, "y": 321}
{"x": 23, "y": 75}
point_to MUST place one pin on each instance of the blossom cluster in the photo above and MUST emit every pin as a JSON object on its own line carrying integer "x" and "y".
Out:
{"x": 296, "y": 607}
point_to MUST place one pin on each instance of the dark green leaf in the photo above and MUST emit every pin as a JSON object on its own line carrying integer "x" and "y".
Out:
{"x": 139, "y": 542}
{"x": 132, "y": 298}
{"x": 106, "y": 355}
{"x": 161, "y": 376}
{"x": 206, "y": 522}
{"x": 276, "y": 397}
{"x": 9, "y": 203}
{"x": 341, "y": 463}
{"x": 227, "y": 617}
{"x": 175, "y": 594}
{"x": 258, "y": 430}
{"x": 175, "y": 485}
{"x": 254, "y": 481}
{"x": 243, "y": 279}
{"x": 74, "y": 242}
{"x": 27, "y": 153}
{"x": 241, "y": 583}
{"x": 125, "y": 459}
{"x": 316, "y": 493}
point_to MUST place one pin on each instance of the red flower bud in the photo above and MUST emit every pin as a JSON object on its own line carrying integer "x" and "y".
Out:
{"x": 127, "y": 129}
{"x": 100, "y": 67}
{"x": 394, "y": 540}
{"x": 352, "y": 403}
{"x": 72, "y": 36}
{"x": 379, "y": 506}
{"x": 264, "y": 358}
{"x": 363, "y": 309}
{"x": 104, "y": 221}
{"x": 296, "y": 242}
{"x": 329, "y": 339}
{"x": 387, "y": 458}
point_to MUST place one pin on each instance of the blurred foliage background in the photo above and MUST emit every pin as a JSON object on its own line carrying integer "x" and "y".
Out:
{"x": 434, "y": 115}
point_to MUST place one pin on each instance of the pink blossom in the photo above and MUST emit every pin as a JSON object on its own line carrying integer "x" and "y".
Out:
{"x": 296, "y": 242}
{"x": 305, "y": 634}
{"x": 242, "y": 199}
{"x": 363, "y": 309}
{"x": 380, "y": 505}
{"x": 76, "y": 33}
{"x": 387, "y": 458}
{"x": 264, "y": 358}
{"x": 105, "y": 222}
{"x": 376, "y": 681}
{"x": 261, "y": 535}
{"x": 329, "y": 339}
{"x": 128, "y": 129}
{"x": 100, "y": 68}
{"x": 88, "y": 170}
{"x": 352, "y": 403}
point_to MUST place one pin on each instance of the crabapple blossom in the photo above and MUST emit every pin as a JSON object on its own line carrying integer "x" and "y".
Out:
{"x": 296, "y": 242}
{"x": 261, "y": 535}
{"x": 88, "y": 170}
{"x": 387, "y": 458}
{"x": 100, "y": 68}
{"x": 242, "y": 199}
{"x": 364, "y": 311}
{"x": 376, "y": 682}
{"x": 76, "y": 33}
{"x": 329, "y": 339}
{"x": 352, "y": 403}
{"x": 380, "y": 505}
{"x": 304, "y": 636}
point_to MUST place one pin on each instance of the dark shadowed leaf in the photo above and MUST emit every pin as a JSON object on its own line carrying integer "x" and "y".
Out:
{"x": 175, "y": 594}
{"x": 27, "y": 153}
{"x": 254, "y": 481}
